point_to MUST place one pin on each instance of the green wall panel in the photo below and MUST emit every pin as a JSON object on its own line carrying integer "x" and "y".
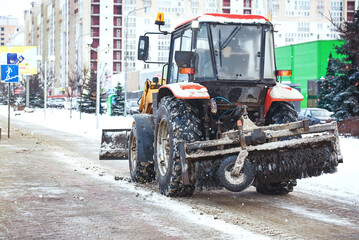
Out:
{"x": 308, "y": 61}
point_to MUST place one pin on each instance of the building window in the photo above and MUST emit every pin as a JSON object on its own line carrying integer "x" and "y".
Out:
{"x": 118, "y": 55}
{"x": 118, "y": 67}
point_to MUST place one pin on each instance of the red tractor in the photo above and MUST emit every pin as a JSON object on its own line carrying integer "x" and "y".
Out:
{"x": 218, "y": 117}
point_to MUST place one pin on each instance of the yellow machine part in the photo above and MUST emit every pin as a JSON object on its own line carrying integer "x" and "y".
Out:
{"x": 146, "y": 101}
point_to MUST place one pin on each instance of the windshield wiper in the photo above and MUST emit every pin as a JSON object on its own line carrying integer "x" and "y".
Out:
{"x": 230, "y": 37}
{"x": 220, "y": 48}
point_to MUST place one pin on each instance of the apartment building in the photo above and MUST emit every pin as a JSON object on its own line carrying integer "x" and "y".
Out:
{"x": 67, "y": 34}
{"x": 8, "y": 27}
{"x": 102, "y": 34}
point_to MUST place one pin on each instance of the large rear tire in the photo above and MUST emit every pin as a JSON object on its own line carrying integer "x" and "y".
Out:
{"x": 176, "y": 120}
{"x": 279, "y": 112}
{"x": 141, "y": 172}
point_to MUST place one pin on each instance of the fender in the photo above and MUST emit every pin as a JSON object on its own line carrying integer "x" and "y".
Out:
{"x": 186, "y": 90}
{"x": 281, "y": 92}
{"x": 145, "y": 136}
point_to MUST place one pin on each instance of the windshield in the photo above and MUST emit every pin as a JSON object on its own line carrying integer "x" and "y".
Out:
{"x": 320, "y": 113}
{"x": 237, "y": 50}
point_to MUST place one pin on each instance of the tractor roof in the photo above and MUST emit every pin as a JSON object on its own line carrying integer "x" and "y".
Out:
{"x": 227, "y": 18}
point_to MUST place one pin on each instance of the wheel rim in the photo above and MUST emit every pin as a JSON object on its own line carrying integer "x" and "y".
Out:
{"x": 163, "y": 147}
{"x": 133, "y": 152}
{"x": 232, "y": 179}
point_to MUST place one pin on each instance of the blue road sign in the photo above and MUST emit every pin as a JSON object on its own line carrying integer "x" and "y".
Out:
{"x": 111, "y": 91}
{"x": 10, "y": 73}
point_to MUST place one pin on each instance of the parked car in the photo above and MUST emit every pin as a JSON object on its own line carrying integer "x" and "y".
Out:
{"x": 56, "y": 103}
{"x": 315, "y": 115}
{"x": 132, "y": 107}
{"x": 72, "y": 103}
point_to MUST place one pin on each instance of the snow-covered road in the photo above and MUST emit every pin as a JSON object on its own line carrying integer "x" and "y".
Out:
{"x": 319, "y": 208}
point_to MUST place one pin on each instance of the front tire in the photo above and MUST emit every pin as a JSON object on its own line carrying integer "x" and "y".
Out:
{"x": 279, "y": 113}
{"x": 176, "y": 120}
{"x": 141, "y": 172}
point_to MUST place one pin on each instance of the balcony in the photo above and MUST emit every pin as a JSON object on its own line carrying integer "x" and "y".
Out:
{"x": 117, "y": 67}
{"x": 226, "y": 3}
{"x": 117, "y": 2}
{"x": 117, "y": 10}
{"x": 117, "y": 33}
{"x": 117, "y": 22}
{"x": 247, "y": 4}
{"x": 95, "y": 21}
{"x": 116, "y": 44}
{"x": 117, "y": 55}
{"x": 95, "y": 10}
{"x": 351, "y": 7}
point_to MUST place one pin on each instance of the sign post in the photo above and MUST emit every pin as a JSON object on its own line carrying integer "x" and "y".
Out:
{"x": 9, "y": 74}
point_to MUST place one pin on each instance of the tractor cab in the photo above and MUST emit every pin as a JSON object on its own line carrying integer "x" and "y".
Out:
{"x": 221, "y": 47}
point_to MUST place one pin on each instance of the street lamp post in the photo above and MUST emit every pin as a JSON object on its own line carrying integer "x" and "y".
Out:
{"x": 98, "y": 79}
{"x": 51, "y": 58}
{"x": 88, "y": 41}
{"x": 126, "y": 56}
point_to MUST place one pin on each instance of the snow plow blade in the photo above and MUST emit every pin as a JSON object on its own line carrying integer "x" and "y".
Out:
{"x": 114, "y": 144}
{"x": 277, "y": 152}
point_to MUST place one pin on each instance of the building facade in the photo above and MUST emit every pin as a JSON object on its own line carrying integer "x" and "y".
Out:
{"x": 67, "y": 34}
{"x": 8, "y": 27}
{"x": 102, "y": 35}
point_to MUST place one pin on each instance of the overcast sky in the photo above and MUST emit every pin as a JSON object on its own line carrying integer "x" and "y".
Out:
{"x": 15, "y": 8}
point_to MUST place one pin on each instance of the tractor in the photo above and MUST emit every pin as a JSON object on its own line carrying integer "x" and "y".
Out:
{"x": 218, "y": 117}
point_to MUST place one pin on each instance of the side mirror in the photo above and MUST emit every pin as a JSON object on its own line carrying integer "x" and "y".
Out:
{"x": 155, "y": 80}
{"x": 143, "y": 46}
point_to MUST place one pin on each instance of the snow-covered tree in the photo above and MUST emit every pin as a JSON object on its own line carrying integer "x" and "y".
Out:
{"x": 88, "y": 101}
{"x": 118, "y": 106}
{"x": 326, "y": 95}
{"x": 346, "y": 88}
{"x": 36, "y": 93}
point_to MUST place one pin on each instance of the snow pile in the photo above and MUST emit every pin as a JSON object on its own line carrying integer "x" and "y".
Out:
{"x": 83, "y": 124}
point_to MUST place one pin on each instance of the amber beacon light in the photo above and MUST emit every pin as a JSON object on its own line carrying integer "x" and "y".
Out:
{"x": 160, "y": 19}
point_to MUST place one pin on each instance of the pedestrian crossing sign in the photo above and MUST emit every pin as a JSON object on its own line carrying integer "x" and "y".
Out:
{"x": 111, "y": 91}
{"x": 10, "y": 73}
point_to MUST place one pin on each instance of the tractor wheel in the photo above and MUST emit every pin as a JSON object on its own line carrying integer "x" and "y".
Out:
{"x": 140, "y": 172}
{"x": 176, "y": 120}
{"x": 279, "y": 112}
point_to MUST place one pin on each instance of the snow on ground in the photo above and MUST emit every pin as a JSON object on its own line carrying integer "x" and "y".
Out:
{"x": 86, "y": 126}
{"x": 69, "y": 121}
{"x": 343, "y": 183}
{"x": 341, "y": 186}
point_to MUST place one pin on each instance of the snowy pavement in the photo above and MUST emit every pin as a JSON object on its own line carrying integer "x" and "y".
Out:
{"x": 340, "y": 187}
{"x": 342, "y": 184}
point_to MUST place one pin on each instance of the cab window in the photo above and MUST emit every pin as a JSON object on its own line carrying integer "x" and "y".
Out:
{"x": 181, "y": 43}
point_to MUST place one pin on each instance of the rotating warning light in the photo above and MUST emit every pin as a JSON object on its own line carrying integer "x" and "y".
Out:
{"x": 160, "y": 19}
